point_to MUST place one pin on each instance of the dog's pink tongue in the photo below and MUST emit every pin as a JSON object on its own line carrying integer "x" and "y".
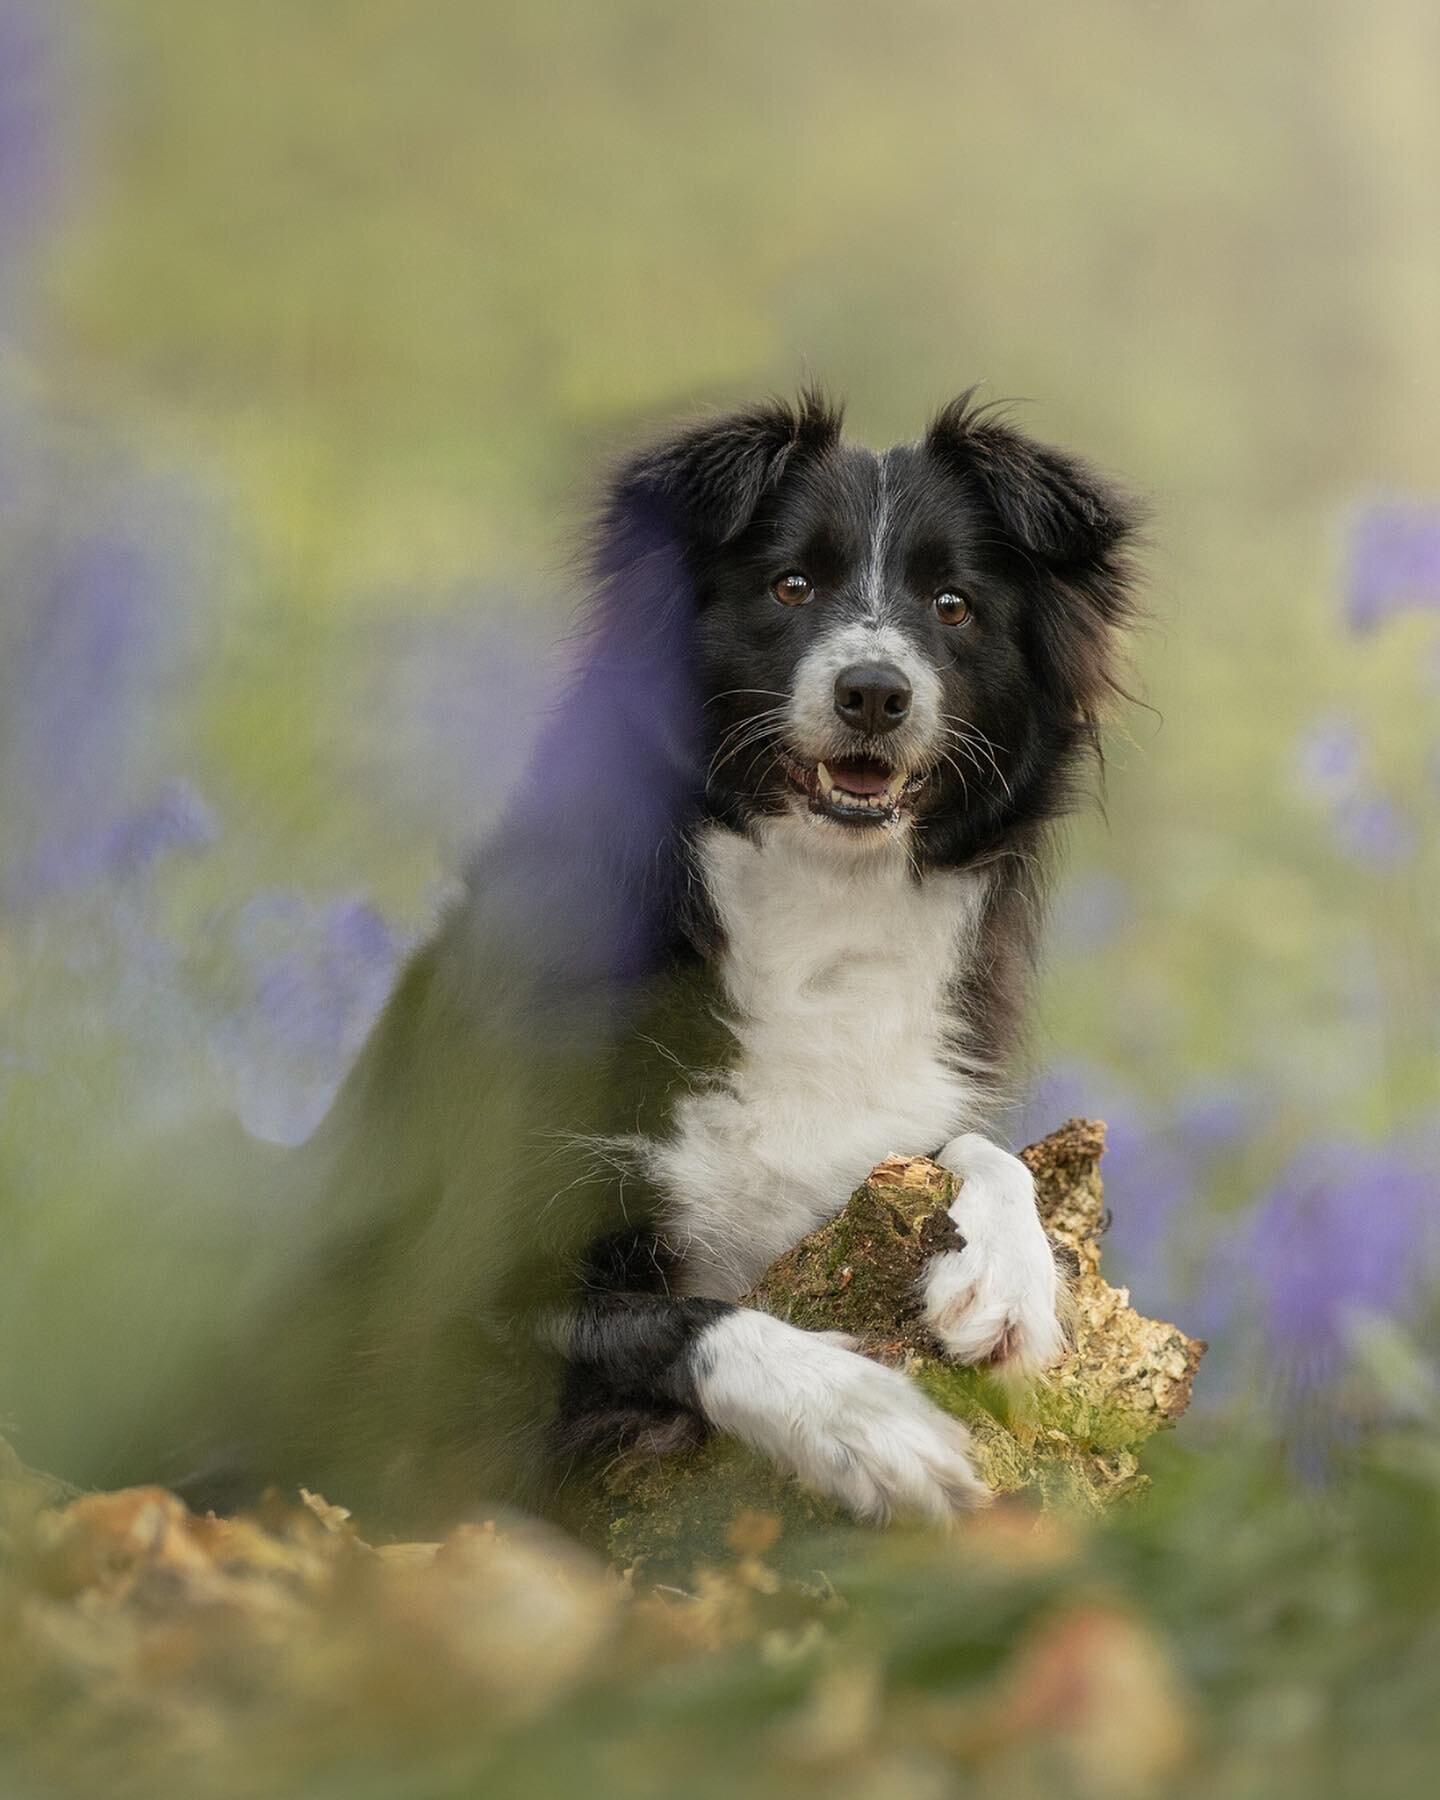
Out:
{"x": 859, "y": 775}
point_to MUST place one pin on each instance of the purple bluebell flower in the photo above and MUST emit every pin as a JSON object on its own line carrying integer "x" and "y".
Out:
{"x": 174, "y": 819}
{"x": 1371, "y": 829}
{"x": 1392, "y": 561}
{"x": 1347, "y": 1231}
{"x": 1150, "y": 1185}
{"x": 1216, "y": 1117}
{"x": 1332, "y": 756}
{"x": 80, "y": 639}
{"x": 581, "y": 878}
{"x": 19, "y": 431}
{"x": 311, "y": 981}
{"x": 1093, "y": 910}
{"x": 454, "y": 705}
{"x": 1333, "y": 764}
{"x": 99, "y": 625}
{"x": 1163, "y": 1163}
{"x": 32, "y": 146}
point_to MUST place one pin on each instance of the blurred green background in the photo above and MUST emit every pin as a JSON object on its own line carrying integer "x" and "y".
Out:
{"x": 315, "y": 316}
{"x": 318, "y": 316}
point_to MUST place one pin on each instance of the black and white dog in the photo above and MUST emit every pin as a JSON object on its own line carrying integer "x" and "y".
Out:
{"x": 761, "y": 915}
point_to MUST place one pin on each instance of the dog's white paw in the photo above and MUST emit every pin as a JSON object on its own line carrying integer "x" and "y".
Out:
{"x": 986, "y": 1306}
{"x": 845, "y": 1427}
{"x": 996, "y": 1301}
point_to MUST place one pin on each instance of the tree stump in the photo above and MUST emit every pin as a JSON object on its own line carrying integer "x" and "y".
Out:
{"x": 1072, "y": 1439}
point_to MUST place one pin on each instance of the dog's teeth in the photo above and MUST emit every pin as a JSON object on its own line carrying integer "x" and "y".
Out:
{"x": 823, "y": 775}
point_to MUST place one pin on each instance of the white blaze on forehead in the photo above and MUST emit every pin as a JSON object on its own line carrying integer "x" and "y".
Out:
{"x": 873, "y": 586}
{"x": 870, "y": 630}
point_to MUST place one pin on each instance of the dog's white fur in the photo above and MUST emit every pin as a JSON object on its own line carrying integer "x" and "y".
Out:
{"x": 837, "y": 970}
{"x": 840, "y": 973}
{"x": 845, "y": 1426}
{"x": 998, "y": 1297}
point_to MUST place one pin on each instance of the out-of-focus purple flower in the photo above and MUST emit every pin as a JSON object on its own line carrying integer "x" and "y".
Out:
{"x": 1392, "y": 561}
{"x": 1332, "y": 756}
{"x": 1371, "y": 829}
{"x": 1070, "y": 1088}
{"x": 1213, "y": 1118}
{"x": 176, "y": 818}
{"x": 1152, "y": 1187}
{"x": 90, "y": 627}
{"x": 1333, "y": 765}
{"x": 1149, "y": 1182}
{"x": 451, "y": 713}
{"x": 1093, "y": 910}
{"x": 1167, "y": 1239}
{"x": 31, "y": 148}
{"x": 98, "y": 627}
{"x": 19, "y": 429}
{"x": 312, "y": 979}
{"x": 583, "y": 874}
{"x": 1346, "y": 1231}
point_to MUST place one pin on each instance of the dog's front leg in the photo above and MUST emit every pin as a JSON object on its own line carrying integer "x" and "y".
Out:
{"x": 996, "y": 1300}
{"x": 850, "y": 1429}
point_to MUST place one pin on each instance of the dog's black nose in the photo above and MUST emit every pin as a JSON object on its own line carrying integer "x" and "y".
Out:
{"x": 873, "y": 697}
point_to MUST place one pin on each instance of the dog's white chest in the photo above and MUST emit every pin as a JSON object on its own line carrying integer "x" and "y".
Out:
{"x": 840, "y": 972}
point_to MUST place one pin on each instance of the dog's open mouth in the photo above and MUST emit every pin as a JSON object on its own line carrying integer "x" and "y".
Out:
{"x": 857, "y": 790}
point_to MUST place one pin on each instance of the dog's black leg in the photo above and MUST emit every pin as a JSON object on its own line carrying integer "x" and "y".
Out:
{"x": 655, "y": 1368}
{"x": 631, "y": 1373}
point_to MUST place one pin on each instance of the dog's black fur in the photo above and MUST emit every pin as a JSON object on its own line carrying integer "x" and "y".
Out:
{"x": 457, "y": 1214}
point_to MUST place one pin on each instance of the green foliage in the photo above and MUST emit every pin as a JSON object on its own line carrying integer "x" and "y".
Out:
{"x": 1233, "y": 1636}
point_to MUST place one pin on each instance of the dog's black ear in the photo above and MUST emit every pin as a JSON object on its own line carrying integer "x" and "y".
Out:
{"x": 1051, "y": 504}
{"x": 705, "y": 481}
{"x": 1071, "y": 531}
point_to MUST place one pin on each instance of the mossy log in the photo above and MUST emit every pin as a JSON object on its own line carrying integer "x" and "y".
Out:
{"x": 1072, "y": 1439}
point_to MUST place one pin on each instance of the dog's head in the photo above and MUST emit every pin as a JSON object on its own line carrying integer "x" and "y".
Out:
{"x": 909, "y": 647}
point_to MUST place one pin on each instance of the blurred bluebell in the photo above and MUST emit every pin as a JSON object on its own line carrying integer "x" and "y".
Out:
{"x": 579, "y": 878}
{"x": 1153, "y": 1185}
{"x": 1334, "y": 766}
{"x": 1093, "y": 909}
{"x": 69, "y": 689}
{"x": 102, "y": 618}
{"x": 1069, "y": 1087}
{"x": 174, "y": 818}
{"x": 1332, "y": 755}
{"x": 30, "y": 148}
{"x": 1372, "y": 830}
{"x": 1218, "y": 1115}
{"x": 310, "y": 980}
{"x": 1392, "y": 561}
{"x": 1347, "y": 1230}
{"x": 451, "y": 706}
{"x": 1149, "y": 1182}
{"x": 1185, "y": 1257}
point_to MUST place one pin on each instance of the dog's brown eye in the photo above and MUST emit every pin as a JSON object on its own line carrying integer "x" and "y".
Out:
{"x": 951, "y": 608}
{"x": 793, "y": 589}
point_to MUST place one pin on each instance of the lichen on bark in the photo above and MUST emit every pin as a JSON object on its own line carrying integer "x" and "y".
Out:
{"x": 1072, "y": 1439}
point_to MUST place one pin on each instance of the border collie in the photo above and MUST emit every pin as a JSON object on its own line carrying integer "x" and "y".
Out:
{"x": 761, "y": 914}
